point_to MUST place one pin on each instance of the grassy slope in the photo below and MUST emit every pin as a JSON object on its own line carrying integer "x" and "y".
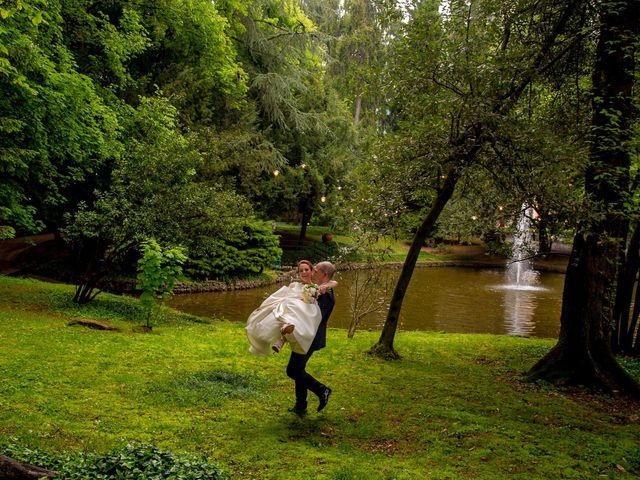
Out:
{"x": 454, "y": 407}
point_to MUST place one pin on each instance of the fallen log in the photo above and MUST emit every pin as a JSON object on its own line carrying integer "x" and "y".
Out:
{"x": 94, "y": 324}
{"x": 11, "y": 469}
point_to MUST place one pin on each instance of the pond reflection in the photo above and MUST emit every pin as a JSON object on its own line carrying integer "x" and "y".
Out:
{"x": 519, "y": 311}
{"x": 448, "y": 299}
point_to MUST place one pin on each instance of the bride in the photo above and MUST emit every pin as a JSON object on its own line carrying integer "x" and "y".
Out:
{"x": 290, "y": 314}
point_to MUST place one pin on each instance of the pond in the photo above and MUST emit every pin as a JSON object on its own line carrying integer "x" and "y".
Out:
{"x": 446, "y": 299}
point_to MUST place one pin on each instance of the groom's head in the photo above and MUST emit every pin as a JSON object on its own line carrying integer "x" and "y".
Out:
{"x": 323, "y": 271}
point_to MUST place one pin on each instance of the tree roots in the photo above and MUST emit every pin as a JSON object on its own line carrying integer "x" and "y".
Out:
{"x": 382, "y": 351}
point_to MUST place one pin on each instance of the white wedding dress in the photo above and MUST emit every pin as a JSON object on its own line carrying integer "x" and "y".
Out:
{"x": 282, "y": 307}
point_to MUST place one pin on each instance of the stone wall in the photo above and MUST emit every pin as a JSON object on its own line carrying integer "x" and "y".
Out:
{"x": 285, "y": 276}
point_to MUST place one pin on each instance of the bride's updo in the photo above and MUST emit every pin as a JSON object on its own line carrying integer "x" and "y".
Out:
{"x": 304, "y": 262}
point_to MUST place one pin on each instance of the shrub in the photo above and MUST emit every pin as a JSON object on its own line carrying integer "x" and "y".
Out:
{"x": 158, "y": 270}
{"x": 249, "y": 252}
{"x": 134, "y": 461}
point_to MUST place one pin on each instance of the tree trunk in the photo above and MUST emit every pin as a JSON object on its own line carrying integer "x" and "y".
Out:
{"x": 544, "y": 242}
{"x": 87, "y": 259}
{"x": 11, "y": 469}
{"x": 353, "y": 327}
{"x": 306, "y": 218}
{"x": 84, "y": 292}
{"x": 96, "y": 263}
{"x": 384, "y": 347}
{"x": 356, "y": 116}
{"x": 635, "y": 350}
{"x": 583, "y": 355}
{"x": 624, "y": 328}
{"x": 634, "y": 331}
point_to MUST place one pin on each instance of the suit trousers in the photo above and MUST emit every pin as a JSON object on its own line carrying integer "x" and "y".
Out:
{"x": 304, "y": 381}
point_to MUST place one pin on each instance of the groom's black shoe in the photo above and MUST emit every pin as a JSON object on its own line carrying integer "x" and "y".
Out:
{"x": 301, "y": 412}
{"x": 324, "y": 398}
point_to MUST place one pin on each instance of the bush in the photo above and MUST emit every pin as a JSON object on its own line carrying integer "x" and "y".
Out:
{"x": 495, "y": 243}
{"x": 250, "y": 252}
{"x": 135, "y": 461}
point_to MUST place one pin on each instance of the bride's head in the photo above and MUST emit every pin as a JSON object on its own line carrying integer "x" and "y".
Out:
{"x": 305, "y": 270}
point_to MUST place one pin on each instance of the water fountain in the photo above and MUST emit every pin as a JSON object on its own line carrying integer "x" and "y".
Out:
{"x": 520, "y": 299}
{"x": 520, "y": 273}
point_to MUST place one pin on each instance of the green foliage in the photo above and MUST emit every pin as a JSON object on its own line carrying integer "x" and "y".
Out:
{"x": 361, "y": 50}
{"x": 56, "y": 130}
{"x": 250, "y": 250}
{"x": 281, "y": 54}
{"x": 6, "y": 232}
{"x": 305, "y": 124}
{"x": 155, "y": 191}
{"x": 134, "y": 461}
{"x": 452, "y": 85}
{"x": 179, "y": 47}
{"x": 64, "y": 81}
{"x": 318, "y": 160}
{"x": 158, "y": 270}
{"x": 93, "y": 93}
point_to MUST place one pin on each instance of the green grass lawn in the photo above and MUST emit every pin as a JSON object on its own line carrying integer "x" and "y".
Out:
{"x": 454, "y": 407}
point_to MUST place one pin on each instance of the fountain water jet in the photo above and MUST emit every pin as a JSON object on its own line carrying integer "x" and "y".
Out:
{"x": 522, "y": 281}
{"x": 520, "y": 273}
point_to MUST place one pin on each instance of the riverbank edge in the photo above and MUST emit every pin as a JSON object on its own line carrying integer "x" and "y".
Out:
{"x": 460, "y": 256}
{"x": 285, "y": 276}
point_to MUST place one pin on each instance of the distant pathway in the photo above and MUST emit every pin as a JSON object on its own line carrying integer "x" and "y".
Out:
{"x": 11, "y": 249}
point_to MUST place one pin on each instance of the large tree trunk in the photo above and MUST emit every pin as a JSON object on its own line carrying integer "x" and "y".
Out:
{"x": 11, "y": 469}
{"x": 624, "y": 328}
{"x": 583, "y": 355}
{"x": 384, "y": 347}
{"x": 634, "y": 326}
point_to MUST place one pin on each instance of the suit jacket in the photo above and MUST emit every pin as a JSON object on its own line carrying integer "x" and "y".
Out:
{"x": 326, "y": 302}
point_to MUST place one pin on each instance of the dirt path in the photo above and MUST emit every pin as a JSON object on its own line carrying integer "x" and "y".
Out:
{"x": 14, "y": 251}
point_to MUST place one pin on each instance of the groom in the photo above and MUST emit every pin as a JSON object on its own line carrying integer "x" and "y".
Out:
{"x": 322, "y": 273}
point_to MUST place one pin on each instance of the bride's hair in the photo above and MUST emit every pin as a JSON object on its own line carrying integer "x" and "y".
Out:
{"x": 304, "y": 262}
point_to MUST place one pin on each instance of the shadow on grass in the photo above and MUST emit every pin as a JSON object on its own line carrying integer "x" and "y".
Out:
{"x": 210, "y": 388}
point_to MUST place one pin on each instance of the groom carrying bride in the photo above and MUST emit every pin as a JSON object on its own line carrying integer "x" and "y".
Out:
{"x": 296, "y": 369}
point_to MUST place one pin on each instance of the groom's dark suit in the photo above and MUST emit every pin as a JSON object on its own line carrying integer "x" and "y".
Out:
{"x": 298, "y": 362}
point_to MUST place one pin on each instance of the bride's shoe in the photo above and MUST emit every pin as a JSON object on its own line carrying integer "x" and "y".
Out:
{"x": 287, "y": 329}
{"x": 276, "y": 347}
